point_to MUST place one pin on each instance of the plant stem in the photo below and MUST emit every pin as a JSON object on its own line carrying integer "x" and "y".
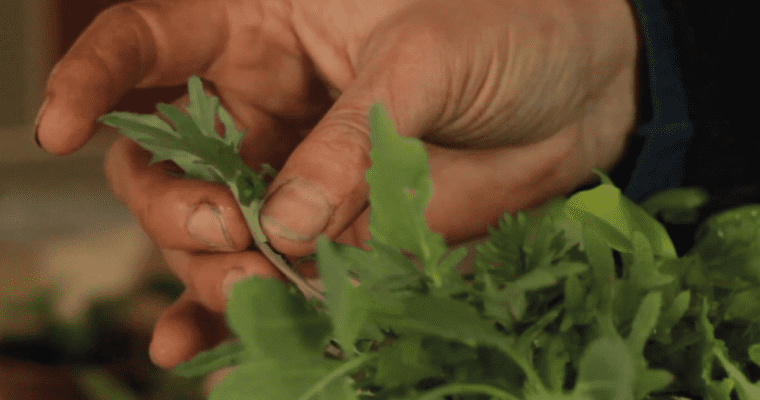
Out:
{"x": 251, "y": 214}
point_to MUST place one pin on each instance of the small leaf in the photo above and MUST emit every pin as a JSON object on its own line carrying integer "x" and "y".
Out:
{"x": 613, "y": 218}
{"x": 652, "y": 380}
{"x": 524, "y": 343}
{"x": 404, "y": 362}
{"x": 754, "y": 353}
{"x": 223, "y": 355}
{"x": 232, "y": 136}
{"x": 744, "y": 305}
{"x": 602, "y": 264}
{"x": 644, "y": 321}
{"x": 347, "y": 304}
{"x": 606, "y": 371}
{"x": 269, "y": 315}
{"x": 202, "y": 108}
{"x": 673, "y": 314}
{"x": 744, "y": 388}
{"x": 574, "y": 293}
{"x": 676, "y": 205}
{"x": 554, "y": 363}
{"x": 400, "y": 189}
{"x": 281, "y": 378}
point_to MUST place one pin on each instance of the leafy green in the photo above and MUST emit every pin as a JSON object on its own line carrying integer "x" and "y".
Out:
{"x": 614, "y": 218}
{"x": 584, "y": 298}
{"x": 400, "y": 189}
{"x": 224, "y": 355}
{"x": 194, "y": 145}
{"x": 677, "y": 205}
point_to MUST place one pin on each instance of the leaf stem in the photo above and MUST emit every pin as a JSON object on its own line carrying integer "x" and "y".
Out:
{"x": 251, "y": 214}
{"x": 461, "y": 388}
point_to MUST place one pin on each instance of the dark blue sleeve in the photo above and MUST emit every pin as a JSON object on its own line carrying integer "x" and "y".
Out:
{"x": 661, "y": 163}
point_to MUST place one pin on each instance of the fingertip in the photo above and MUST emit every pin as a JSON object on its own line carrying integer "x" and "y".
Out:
{"x": 184, "y": 330}
{"x": 61, "y": 131}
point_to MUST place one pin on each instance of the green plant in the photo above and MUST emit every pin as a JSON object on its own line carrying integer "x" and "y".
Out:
{"x": 584, "y": 299}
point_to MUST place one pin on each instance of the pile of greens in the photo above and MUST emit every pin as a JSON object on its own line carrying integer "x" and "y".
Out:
{"x": 583, "y": 299}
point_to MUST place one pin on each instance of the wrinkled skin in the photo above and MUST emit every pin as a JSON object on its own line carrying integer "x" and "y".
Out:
{"x": 515, "y": 100}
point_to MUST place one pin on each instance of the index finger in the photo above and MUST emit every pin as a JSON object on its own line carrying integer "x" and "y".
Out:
{"x": 136, "y": 44}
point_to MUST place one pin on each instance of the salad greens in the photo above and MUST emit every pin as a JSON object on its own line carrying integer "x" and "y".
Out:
{"x": 583, "y": 299}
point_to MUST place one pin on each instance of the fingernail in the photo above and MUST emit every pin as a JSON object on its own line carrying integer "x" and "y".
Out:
{"x": 296, "y": 211}
{"x": 37, "y": 119}
{"x": 233, "y": 277}
{"x": 207, "y": 226}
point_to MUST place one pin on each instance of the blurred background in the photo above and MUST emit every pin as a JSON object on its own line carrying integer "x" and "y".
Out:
{"x": 80, "y": 284}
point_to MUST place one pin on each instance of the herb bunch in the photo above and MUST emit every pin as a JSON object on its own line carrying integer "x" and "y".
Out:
{"x": 582, "y": 299}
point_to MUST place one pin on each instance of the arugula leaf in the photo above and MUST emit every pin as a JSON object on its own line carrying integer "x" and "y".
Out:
{"x": 267, "y": 315}
{"x": 400, "y": 189}
{"x": 606, "y": 371}
{"x": 346, "y": 303}
{"x": 676, "y": 205}
{"x": 613, "y": 218}
{"x": 281, "y": 378}
{"x": 728, "y": 244}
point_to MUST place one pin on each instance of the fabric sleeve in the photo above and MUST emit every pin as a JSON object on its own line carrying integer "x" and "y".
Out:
{"x": 666, "y": 137}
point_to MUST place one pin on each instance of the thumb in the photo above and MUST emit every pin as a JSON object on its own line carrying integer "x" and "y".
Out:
{"x": 321, "y": 189}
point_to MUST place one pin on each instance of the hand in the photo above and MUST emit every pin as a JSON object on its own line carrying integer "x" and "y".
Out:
{"x": 516, "y": 101}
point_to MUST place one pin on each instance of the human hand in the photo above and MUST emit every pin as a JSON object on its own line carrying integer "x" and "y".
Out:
{"x": 516, "y": 101}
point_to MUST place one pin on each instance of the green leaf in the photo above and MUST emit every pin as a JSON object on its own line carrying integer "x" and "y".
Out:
{"x": 271, "y": 316}
{"x": 716, "y": 349}
{"x": 744, "y": 305}
{"x": 603, "y": 266}
{"x": 400, "y": 189}
{"x": 193, "y": 144}
{"x": 504, "y": 248}
{"x": 676, "y": 205}
{"x": 606, "y": 371}
{"x": 652, "y": 380}
{"x": 672, "y": 315}
{"x": 728, "y": 244}
{"x": 554, "y": 363}
{"x": 449, "y": 319}
{"x": 754, "y": 353}
{"x": 525, "y": 342}
{"x": 347, "y": 303}
{"x": 281, "y": 378}
{"x": 223, "y": 355}
{"x": 745, "y": 389}
{"x": 574, "y": 293}
{"x": 613, "y": 218}
{"x": 404, "y": 363}
{"x": 202, "y": 108}
{"x": 644, "y": 322}
{"x": 644, "y": 273}
{"x": 720, "y": 390}
{"x": 545, "y": 277}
